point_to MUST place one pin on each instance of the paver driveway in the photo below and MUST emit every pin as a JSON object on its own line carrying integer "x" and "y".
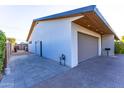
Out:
{"x": 28, "y": 70}
{"x": 33, "y": 71}
{"x": 106, "y": 72}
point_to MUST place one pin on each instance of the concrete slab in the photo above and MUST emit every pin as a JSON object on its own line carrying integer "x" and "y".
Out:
{"x": 28, "y": 70}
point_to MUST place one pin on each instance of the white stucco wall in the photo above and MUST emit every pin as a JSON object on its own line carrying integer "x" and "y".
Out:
{"x": 108, "y": 42}
{"x": 56, "y": 39}
{"x": 31, "y": 48}
{"x": 60, "y": 37}
{"x": 75, "y": 29}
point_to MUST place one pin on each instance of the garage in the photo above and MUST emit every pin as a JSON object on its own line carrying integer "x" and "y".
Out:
{"x": 87, "y": 47}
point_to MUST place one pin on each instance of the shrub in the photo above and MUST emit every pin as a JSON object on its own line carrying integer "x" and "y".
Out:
{"x": 119, "y": 47}
{"x": 2, "y": 49}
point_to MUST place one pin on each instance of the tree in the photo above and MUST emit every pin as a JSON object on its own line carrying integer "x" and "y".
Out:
{"x": 122, "y": 39}
{"x": 119, "y": 46}
{"x": 12, "y": 41}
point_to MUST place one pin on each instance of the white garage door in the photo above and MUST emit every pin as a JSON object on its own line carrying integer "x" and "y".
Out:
{"x": 87, "y": 47}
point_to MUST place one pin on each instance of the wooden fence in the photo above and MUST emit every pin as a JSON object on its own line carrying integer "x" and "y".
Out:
{"x": 7, "y": 55}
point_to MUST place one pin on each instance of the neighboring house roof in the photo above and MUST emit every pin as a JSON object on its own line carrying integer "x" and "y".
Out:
{"x": 72, "y": 13}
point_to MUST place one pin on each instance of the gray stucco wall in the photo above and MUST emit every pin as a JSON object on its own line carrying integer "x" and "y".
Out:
{"x": 108, "y": 42}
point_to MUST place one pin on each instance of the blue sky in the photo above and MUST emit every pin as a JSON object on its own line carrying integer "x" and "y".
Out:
{"x": 15, "y": 20}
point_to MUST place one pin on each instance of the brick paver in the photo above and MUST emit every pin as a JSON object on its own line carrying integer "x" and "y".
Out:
{"x": 100, "y": 72}
{"x": 32, "y": 71}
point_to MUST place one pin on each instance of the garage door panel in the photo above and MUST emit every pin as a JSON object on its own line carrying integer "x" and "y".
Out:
{"x": 87, "y": 47}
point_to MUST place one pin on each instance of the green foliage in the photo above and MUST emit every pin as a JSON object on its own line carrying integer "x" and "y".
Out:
{"x": 2, "y": 49}
{"x": 119, "y": 47}
{"x": 1, "y": 65}
{"x": 122, "y": 39}
{"x": 12, "y": 40}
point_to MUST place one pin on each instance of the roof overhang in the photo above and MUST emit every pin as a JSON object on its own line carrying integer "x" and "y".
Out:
{"x": 95, "y": 22}
{"x": 92, "y": 19}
